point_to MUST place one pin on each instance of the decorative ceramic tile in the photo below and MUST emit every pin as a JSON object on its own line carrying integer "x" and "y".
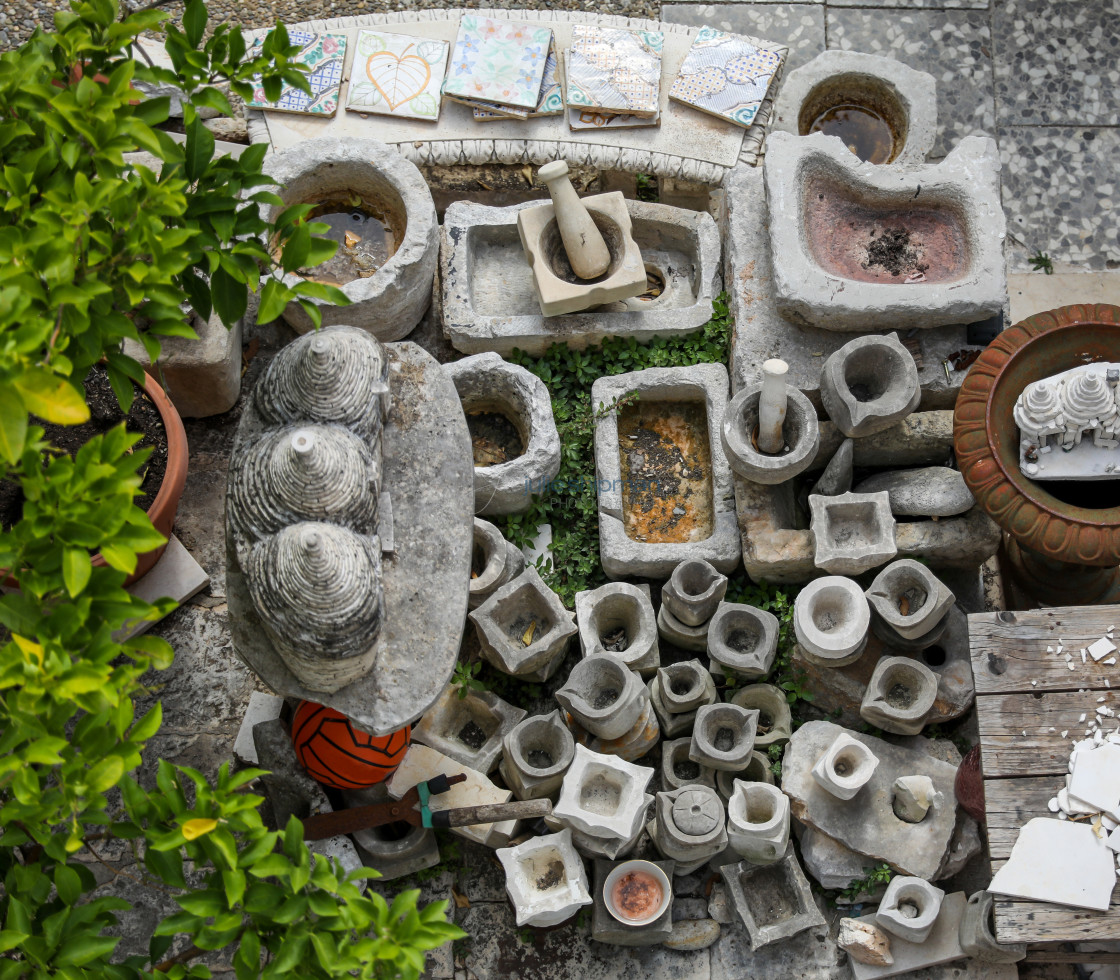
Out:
{"x": 549, "y": 103}
{"x": 614, "y": 70}
{"x": 796, "y": 26}
{"x": 397, "y": 75}
{"x": 725, "y": 75}
{"x": 581, "y": 119}
{"x": 491, "y": 111}
{"x": 324, "y": 55}
{"x": 498, "y": 61}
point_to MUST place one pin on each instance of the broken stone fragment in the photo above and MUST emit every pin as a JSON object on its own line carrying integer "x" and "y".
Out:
{"x": 911, "y": 797}
{"x": 930, "y": 491}
{"x": 863, "y": 942}
{"x": 692, "y": 934}
{"x": 837, "y": 476}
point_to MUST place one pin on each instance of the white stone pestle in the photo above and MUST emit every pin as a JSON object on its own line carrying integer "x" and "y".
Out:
{"x": 772, "y": 406}
{"x": 587, "y": 251}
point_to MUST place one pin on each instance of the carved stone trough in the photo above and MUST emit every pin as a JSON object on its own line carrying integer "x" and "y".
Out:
{"x": 488, "y": 298}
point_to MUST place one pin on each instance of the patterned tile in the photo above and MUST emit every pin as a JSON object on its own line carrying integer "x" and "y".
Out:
{"x": 1057, "y": 62}
{"x": 954, "y": 46}
{"x": 549, "y": 103}
{"x": 1061, "y": 194}
{"x": 799, "y": 26}
{"x": 612, "y": 69}
{"x": 324, "y": 55}
{"x": 725, "y": 75}
{"x": 498, "y": 61}
{"x": 397, "y": 75}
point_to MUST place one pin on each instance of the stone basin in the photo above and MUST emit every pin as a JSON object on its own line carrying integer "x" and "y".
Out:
{"x": 489, "y": 303}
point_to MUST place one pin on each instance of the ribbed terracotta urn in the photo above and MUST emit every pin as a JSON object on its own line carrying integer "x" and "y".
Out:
{"x": 1062, "y": 539}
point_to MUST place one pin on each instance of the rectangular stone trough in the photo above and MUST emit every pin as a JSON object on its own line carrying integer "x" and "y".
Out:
{"x": 778, "y": 546}
{"x": 664, "y": 486}
{"x": 487, "y": 287}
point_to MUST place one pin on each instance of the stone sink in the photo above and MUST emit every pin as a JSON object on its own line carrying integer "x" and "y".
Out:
{"x": 488, "y": 298}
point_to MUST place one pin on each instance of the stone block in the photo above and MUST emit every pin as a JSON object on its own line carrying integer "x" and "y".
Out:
{"x": 869, "y": 384}
{"x": 422, "y": 763}
{"x": 604, "y": 696}
{"x": 904, "y": 98}
{"x": 603, "y": 796}
{"x": 605, "y": 928}
{"x": 909, "y": 908}
{"x": 911, "y": 797}
{"x": 852, "y": 532}
{"x": 864, "y": 943}
{"x": 773, "y": 900}
{"x": 525, "y": 607}
{"x": 723, "y": 736}
{"x": 489, "y": 385}
{"x": 536, "y": 754}
{"x": 678, "y": 770}
{"x": 931, "y": 491}
{"x": 909, "y": 585}
{"x": 899, "y": 696}
{"x": 469, "y": 727}
{"x": 832, "y": 271}
{"x": 689, "y": 826}
{"x": 775, "y": 722}
{"x": 694, "y": 591}
{"x": 617, "y": 620}
{"x": 743, "y": 640}
{"x": 325, "y": 172}
{"x": 672, "y": 630}
{"x": 494, "y": 562}
{"x": 557, "y": 287}
{"x": 830, "y": 620}
{"x": 758, "y": 822}
{"x": 695, "y": 522}
{"x": 867, "y": 824}
{"x": 545, "y": 878}
{"x": 202, "y": 376}
{"x": 942, "y": 945}
{"x": 835, "y": 866}
{"x": 800, "y": 432}
{"x": 845, "y": 767}
{"x": 488, "y": 301}
{"x": 837, "y": 475}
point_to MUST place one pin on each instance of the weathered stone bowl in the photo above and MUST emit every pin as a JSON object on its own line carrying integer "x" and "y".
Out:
{"x": 494, "y": 562}
{"x": 391, "y": 301}
{"x": 800, "y": 431}
{"x": 1063, "y": 543}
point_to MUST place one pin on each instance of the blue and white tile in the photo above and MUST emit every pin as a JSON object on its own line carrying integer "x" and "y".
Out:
{"x": 798, "y": 26}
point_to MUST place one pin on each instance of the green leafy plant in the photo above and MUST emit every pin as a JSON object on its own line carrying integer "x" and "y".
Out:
{"x": 466, "y": 677}
{"x": 1040, "y": 262}
{"x": 775, "y": 753}
{"x": 94, "y": 251}
{"x": 647, "y": 189}
{"x": 568, "y": 374}
{"x": 879, "y": 875}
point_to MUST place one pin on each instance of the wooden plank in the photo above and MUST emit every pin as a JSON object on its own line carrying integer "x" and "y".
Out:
{"x": 1003, "y": 719}
{"x": 1010, "y": 803}
{"x": 1019, "y": 921}
{"x": 1009, "y": 649}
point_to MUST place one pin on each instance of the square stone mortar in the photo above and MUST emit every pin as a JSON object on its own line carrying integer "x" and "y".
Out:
{"x": 867, "y": 823}
{"x": 761, "y": 332}
{"x": 777, "y": 549}
{"x": 605, "y": 928}
{"x": 761, "y": 893}
{"x": 852, "y": 532}
{"x": 488, "y": 301}
{"x": 445, "y": 720}
{"x": 820, "y": 174}
{"x": 622, "y": 556}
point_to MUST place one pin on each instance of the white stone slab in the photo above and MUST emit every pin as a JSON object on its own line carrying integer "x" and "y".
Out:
{"x": 942, "y": 945}
{"x": 176, "y": 576}
{"x": 261, "y": 707}
{"x": 1058, "y": 861}
{"x": 422, "y": 763}
{"x": 1096, "y": 778}
{"x": 1101, "y": 649}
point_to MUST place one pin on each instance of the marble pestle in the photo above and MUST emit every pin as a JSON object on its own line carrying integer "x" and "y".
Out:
{"x": 587, "y": 251}
{"x": 772, "y": 406}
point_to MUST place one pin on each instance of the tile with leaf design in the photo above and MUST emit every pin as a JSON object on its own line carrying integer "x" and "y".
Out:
{"x": 397, "y": 75}
{"x": 324, "y": 55}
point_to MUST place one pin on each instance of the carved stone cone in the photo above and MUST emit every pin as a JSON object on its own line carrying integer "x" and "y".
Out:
{"x": 584, "y": 243}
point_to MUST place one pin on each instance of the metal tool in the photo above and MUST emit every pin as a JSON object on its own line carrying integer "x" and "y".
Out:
{"x": 404, "y": 810}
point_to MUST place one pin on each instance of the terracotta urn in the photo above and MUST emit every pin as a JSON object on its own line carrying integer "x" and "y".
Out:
{"x": 1061, "y": 538}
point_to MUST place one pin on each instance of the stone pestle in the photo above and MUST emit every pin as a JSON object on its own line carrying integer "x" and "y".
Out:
{"x": 587, "y": 251}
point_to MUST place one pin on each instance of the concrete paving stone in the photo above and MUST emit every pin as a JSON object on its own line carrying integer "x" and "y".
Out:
{"x": 810, "y": 955}
{"x": 1056, "y": 62}
{"x": 954, "y": 46}
{"x": 1059, "y": 189}
{"x": 800, "y": 26}
{"x": 1036, "y": 292}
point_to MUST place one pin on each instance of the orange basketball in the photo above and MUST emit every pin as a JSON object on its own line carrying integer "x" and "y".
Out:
{"x": 336, "y": 754}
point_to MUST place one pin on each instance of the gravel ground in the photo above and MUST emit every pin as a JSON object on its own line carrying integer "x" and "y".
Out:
{"x": 18, "y": 18}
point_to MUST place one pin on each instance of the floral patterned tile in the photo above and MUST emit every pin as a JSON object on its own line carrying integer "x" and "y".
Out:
{"x": 397, "y": 75}
{"x": 498, "y": 61}
{"x": 549, "y": 103}
{"x": 614, "y": 70}
{"x": 725, "y": 75}
{"x": 324, "y": 55}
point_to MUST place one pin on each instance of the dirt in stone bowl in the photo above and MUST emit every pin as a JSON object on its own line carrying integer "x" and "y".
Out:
{"x": 143, "y": 418}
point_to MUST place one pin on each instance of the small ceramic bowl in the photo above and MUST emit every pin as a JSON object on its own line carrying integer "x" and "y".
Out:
{"x": 654, "y": 872}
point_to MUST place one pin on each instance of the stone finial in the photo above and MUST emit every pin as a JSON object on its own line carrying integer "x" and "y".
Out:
{"x": 1086, "y": 399}
{"x": 1038, "y": 412}
{"x": 317, "y": 589}
{"x": 337, "y": 374}
{"x": 587, "y": 251}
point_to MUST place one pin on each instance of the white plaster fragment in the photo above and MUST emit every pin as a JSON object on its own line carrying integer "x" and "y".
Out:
{"x": 1101, "y": 648}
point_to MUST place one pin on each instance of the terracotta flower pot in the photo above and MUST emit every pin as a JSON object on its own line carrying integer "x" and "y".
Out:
{"x": 164, "y": 507}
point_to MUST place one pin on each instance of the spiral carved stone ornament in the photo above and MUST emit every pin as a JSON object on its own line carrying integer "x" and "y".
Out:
{"x": 327, "y": 376}
{"x": 311, "y": 472}
{"x": 317, "y": 589}
{"x": 987, "y": 450}
{"x": 1038, "y": 412}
